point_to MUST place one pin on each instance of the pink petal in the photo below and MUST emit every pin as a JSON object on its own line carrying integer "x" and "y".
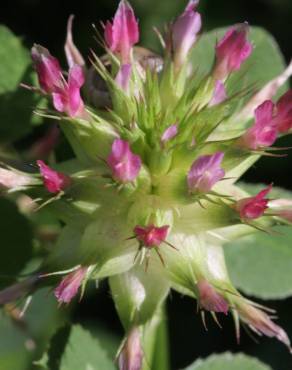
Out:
{"x": 264, "y": 132}
{"x": 209, "y": 299}
{"x": 69, "y": 286}
{"x": 48, "y": 69}
{"x": 124, "y": 164}
{"x": 151, "y": 235}
{"x": 123, "y": 33}
{"x": 169, "y": 133}
{"x": 53, "y": 181}
{"x": 253, "y": 207}
{"x": 283, "y": 117}
{"x": 73, "y": 55}
{"x": 184, "y": 32}
{"x": 205, "y": 172}
{"x": 231, "y": 51}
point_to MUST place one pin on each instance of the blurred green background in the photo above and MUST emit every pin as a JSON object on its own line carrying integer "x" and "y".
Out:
{"x": 44, "y": 22}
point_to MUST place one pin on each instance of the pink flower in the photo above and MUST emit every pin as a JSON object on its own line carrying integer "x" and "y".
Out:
{"x": 260, "y": 323}
{"x": 123, "y": 32}
{"x": 124, "y": 164}
{"x": 54, "y": 181}
{"x": 219, "y": 94}
{"x": 283, "y": 118}
{"x": 151, "y": 236}
{"x": 131, "y": 355}
{"x": 66, "y": 95}
{"x": 264, "y": 132}
{"x": 184, "y": 32}
{"x": 205, "y": 172}
{"x": 48, "y": 69}
{"x": 231, "y": 51}
{"x": 68, "y": 288}
{"x": 253, "y": 207}
{"x": 169, "y": 133}
{"x": 123, "y": 77}
{"x": 209, "y": 299}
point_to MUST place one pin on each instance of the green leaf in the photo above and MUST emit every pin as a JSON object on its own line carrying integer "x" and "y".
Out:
{"x": 16, "y": 103}
{"x": 16, "y": 239}
{"x": 83, "y": 352}
{"x": 228, "y": 361}
{"x": 261, "y": 264}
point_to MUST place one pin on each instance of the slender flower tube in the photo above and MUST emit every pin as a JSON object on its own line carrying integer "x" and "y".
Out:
{"x": 54, "y": 181}
{"x": 283, "y": 116}
{"x": 123, "y": 77}
{"x": 65, "y": 94}
{"x": 184, "y": 33}
{"x": 231, "y": 51}
{"x": 151, "y": 236}
{"x": 131, "y": 355}
{"x": 70, "y": 284}
{"x": 125, "y": 165}
{"x": 209, "y": 299}
{"x": 253, "y": 207}
{"x": 205, "y": 172}
{"x": 123, "y": 33}
{"x": 219, "y": 95}
{"x": 264, "y": 132}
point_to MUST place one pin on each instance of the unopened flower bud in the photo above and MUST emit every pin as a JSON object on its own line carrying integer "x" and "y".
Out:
{"x": 253, "y": 207}
{"x": 48, "y": 69}
{"x": 70, "y": 284}
{"x": 205, "y": 172}
{"x": 209, "y": 299}
{"x": 184, "y": 32}
{"x": 264, "y": 131}
{"x": 123, "y": 33}
{"x": 169, "y": 133}
{"x": 125, "y": 165}
{"x": 231, "y": 51}
{"x": 131, "y": 355}
{"x": 151, "y": 236}
{"x": 54, "y": 181}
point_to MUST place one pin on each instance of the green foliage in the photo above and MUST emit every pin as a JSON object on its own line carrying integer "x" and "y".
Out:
{"x": 83, "y": 352}
{"x": 16, "y": 239}
{"x": 228, "y": 361}
{"x": 16, "y": 103}
{"x": 261, "y": 264}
